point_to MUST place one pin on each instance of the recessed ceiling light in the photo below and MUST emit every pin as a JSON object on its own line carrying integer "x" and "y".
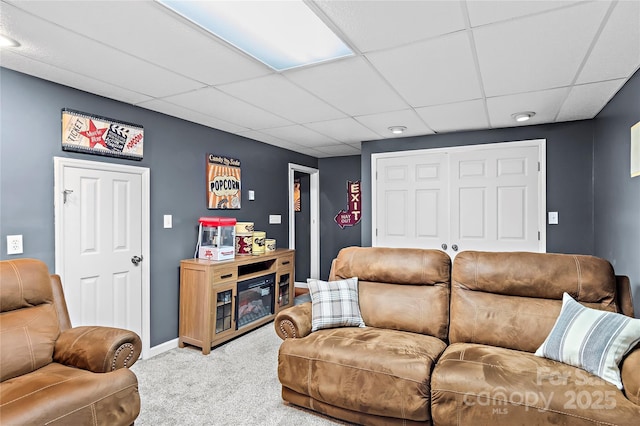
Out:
{"x": 7, "y": 41}
{"x": 281, "y": 34}
{"x": 523, "y": 116}
{"x": 397, "y": 130}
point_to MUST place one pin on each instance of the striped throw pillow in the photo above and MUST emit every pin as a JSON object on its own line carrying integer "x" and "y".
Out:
{"x": 593, "y": 340}
{"x": 334, "y": 304}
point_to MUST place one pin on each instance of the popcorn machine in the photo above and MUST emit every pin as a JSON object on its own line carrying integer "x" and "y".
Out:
{"x": 216, "y": 238}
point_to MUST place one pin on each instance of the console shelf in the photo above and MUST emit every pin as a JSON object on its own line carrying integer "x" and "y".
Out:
{"x": 209, "y": 293}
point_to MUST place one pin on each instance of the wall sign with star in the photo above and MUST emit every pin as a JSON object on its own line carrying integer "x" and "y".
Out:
{"x": 93, "y": 134}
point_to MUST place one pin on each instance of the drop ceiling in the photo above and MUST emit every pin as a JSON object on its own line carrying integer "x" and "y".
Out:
{"x": 431, "y": 66}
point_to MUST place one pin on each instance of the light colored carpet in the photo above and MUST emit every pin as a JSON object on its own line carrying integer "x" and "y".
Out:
{"x": 236, "y": 384}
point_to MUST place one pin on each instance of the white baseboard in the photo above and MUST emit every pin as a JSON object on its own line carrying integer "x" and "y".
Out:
{"x": 163, "y": 347}
{"x": 301, "y": 285}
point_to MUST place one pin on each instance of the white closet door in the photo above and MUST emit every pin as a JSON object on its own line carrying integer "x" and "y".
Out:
{"x": 482, "y": 197}
{"x": 494, "y": 199}
{"x": 413, "y": 201}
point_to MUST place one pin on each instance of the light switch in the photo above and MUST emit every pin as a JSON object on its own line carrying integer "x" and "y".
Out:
{"x": 553, "y": 218}
{"x": 251, "y": 195}
{"x": 168, "y": 221}
{"x": 275, "y": 219}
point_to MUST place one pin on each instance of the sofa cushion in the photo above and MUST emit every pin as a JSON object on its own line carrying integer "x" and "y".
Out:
{"x": 369, "y": 370}
{"x": 28, "y": 337}
{"x": 24, "y": 283}
{"x": 399, "y": 288}
{"x": 512, "y": 300}
{"x": 508, "y": 387}
{"x": 334, "y": 304}
{"x": 57, "y": 394}
{"x": 591, "y": 339}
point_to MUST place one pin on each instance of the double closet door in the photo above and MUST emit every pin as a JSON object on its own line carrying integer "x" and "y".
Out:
{"x": 482, "y": 197}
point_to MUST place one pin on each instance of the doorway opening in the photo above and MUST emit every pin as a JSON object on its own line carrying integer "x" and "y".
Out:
{"x": 313, "y": 260}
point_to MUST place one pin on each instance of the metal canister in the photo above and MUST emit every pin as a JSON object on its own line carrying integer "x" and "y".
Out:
{"x": 258, "y": 242}
{"x": 244, "y": 228}
{"x": 269, "y": 244}
{"x": 244, "y": 243}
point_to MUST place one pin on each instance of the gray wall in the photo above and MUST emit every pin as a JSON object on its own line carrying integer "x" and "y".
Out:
{"x": 334, "y": 174}
{"x": 174, "y": 150}
{"x": 569, "y": 175}
{"x": 617, "y": 195}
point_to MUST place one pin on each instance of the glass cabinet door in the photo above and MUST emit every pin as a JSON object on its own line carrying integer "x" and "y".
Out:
{"x": 224, "y": 310}
{"x": 284, "y": 290}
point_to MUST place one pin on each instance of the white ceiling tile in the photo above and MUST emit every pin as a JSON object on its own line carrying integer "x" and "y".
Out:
{"x": 195, "y": 53}
{"x": 300, "y": 135}
{"x": 343, "y": 130}
{"x": 617, "y": 51}
{"x": 381, "y": 122}
{"x": 190, "y": 115}
{"x": 350, "y": 85}
{"x": 538, "y": 52}
{"x": 337, "y": 150}
{"x": 431, "y": 72}
{"x": 455, "y": 117}
{"x": 42, "y": 70}
{"x": 373, "y": 25}
{"x": 271, "y": 140}
{"x": 587, "y": 100}
{"x": 215, "y": 103}
{"x": 279, "y": 96}
{"x": 486, "y": 12}
{"x": 545, "y": 104}
{"x": 312, "y": 152}
{"x": 49, "y": 43}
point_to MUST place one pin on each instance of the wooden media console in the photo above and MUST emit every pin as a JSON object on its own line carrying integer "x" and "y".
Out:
{"x": 220, "y": 300}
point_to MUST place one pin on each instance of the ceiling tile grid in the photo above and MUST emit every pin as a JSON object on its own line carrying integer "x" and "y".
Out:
{"x": 431, "y": 66}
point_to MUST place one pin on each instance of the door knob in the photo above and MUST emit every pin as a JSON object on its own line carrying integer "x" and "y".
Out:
{"x": 454, "y": 247}
{"x": 444, "y": 246}
{"x": 136, "y": 260}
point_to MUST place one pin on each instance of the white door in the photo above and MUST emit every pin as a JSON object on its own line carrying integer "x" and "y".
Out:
{"x": 101, "y": 242}
{"x": 483, "y": 197}
{"x": 494, "y": 199}
{"x": 412, "y": 203}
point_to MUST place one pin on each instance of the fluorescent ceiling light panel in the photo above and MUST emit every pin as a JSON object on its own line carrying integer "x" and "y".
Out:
{"x": 281, "y": 34}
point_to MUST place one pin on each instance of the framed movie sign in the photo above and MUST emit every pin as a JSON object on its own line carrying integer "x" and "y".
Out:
{"x": 92, "y": 134}
{"x": 223, "y": 182}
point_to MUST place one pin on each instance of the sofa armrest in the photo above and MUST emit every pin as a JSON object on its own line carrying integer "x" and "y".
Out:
{"x": 97, "y": 349}
{"x": 630, "y": 374}
{"x": 294, "y": 322}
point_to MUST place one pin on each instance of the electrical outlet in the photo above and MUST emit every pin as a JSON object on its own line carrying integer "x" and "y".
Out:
{"x": 14, "y": 244}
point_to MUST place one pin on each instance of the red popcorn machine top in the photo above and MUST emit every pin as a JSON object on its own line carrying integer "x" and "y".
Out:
{"x": 216, "y": 238}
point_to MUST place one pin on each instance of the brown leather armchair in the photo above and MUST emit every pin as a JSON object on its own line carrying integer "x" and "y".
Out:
{"x": 52, "y": 373}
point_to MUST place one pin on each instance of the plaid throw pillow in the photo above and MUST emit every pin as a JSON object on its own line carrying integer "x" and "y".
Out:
{"x": 334, "y": 304}
{"x": 593, "y": 340}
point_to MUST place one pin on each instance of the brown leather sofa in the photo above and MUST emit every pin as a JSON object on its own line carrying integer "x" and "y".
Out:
{"x": 52, "y": 373}
{"x": 456, "y": 347}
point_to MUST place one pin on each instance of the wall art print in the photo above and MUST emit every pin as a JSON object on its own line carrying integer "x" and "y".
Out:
{"x": 297, "y": 204}
{"x": 93, "y": 134}
{"x": 223, "y": 182}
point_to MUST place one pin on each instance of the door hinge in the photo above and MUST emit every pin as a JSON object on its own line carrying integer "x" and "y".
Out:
{"x": 538, "y": 166}
{"x": 376, "y": 232}
{"x": 538, "y": 235}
